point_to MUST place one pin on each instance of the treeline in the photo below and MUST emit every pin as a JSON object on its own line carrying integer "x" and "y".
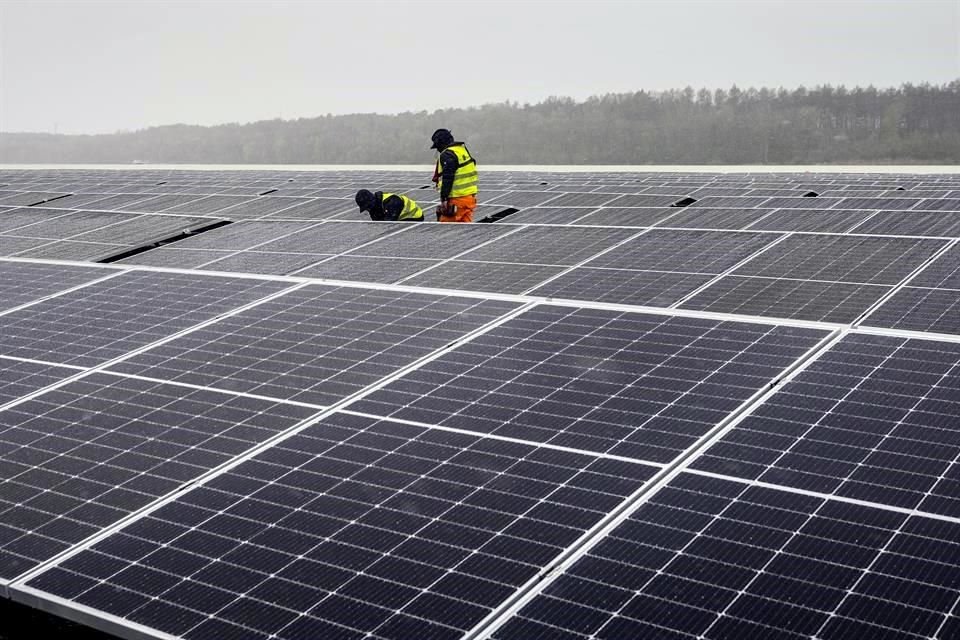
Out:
{"x": 825, "y": 124}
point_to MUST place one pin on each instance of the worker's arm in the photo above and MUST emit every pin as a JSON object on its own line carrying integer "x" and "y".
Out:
{"x": 448, "y": 168}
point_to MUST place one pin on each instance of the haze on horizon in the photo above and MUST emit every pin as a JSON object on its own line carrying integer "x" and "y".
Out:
{"x": 100, "y": 67}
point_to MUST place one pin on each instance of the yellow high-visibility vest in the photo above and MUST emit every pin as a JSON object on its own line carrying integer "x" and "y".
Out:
{"x": 465, "y": 180}
{"x": 411, "y": 210}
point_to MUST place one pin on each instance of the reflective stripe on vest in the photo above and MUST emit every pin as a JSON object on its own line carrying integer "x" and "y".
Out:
{"x": 465, "y": 180}
{"x": 411, "y": 210}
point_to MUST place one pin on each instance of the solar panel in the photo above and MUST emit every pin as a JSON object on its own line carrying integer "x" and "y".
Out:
{"x": 117, "y": 202}
{"x": 710, "y": 558}
{"x": 807, "y": 203}
{"x": 644, "y": 200}
{"x": 319, "y": 209}
{"x": 13, "y": 246}
{"x": 159, "y": 203}
{"x": 434, "y": 241}
{"x": 684, "y": 251}
{"x": 263, "y": 206}
{"x": 523, "y": 198}
{"x": 739, "y": 202}
{"x": 19, "y": 378}
{"x": 23, "y": 282}
{"x": 582, "y": 199}
{"x": 173, "y": 257}
{"x": 628, "y": 217}
{"x": 264, "y": 262}
{"x": 29, "y": 198}
{"x": 366, "y": 269}
{"x": 870, "y": 419}
{"x": 554, "y": 246}
{"x": 493, "y": 277}
{"x": 104, "y": 320}
{"x": 209, "y": 204}
{"x": 61, "y": 227}
{"x": 81, "y": 457}
{"x": 842, "y": 258}
{"x": 912, "y": 223}
{"x": 317, "y": 344}
{"x": 354, "y": 526}
{"x": 332, "y": 237}
{"x": 548, "y": 215}
{"x": 630, "y": 384}
{"x": 20, "y": 220}
{"x": 939, "y": 204}
{"x": 819, "y": 220}
{"x": 878, "y": 203}
{"x": 710, "y": 218}
{"x": 919, "y": 309}
{"x": 623, "y": 286}
{"x": 70, "y": 250}
{"x": 243, "y": 235}
{"x": 787, "y": 298}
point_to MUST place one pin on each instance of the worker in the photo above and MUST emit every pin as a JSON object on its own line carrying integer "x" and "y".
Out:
{"x": 388, "y": 207}
{"x": 456, "y": 178}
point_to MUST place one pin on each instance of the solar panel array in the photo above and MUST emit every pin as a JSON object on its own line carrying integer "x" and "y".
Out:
{"x": 630, "y": 405}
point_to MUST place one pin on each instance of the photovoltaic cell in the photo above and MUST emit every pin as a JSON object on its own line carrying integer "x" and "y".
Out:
{"x": 820, "y": 220}
{"x": 549, "y": 245}
{"x": 582, "y": 199}
{"x": 623, "y": 286}
{"x": 317, "y": 344}
{"x": 858, "y": 259}
{"x": 353, "y": 528}
{"x": 79, "y": 458}
{"x": 710, "y": 218}
{"x": 627, "y": 216}
{"x": 61, "y": 227}
{"x": 493, "y": 277}
{"x": 433, "y": 241}
{"x": 548, "y": 215}
{"x": 242, "y": 235}
{"x": 874, "y": 418}
{"x": 630, "y": 384}
{"x": 18, "y": 378}
{"x": 209, "y": 204}
{"x": 22, "y": 282}
{"x": 105, "y": 320}
{"x": 19, "y": 221}
{"x": 332, "y": 237}
{"x": 317, "y": 209}
{"x": 72, "y": 250}
{"x": 684, "y": 251}
{"x": 787, "y": 298}
{"x": 366, "y": 269}
{"x": 919, "y": 309}
{"x": 912, "y": 223}
{"x": 714, "y": 559}
{"x": 262, "y": 262}
{"x": 173, "y": 257}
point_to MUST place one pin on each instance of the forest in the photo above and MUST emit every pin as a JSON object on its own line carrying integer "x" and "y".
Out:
{"x": 911, "y": 124}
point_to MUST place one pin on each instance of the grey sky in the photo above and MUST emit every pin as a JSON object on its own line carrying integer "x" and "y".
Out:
{"x": 90, "y": 67}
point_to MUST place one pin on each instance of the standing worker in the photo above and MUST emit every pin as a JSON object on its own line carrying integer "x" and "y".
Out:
{"x": 456, "y": 178}
{"x": 388, "y": 207}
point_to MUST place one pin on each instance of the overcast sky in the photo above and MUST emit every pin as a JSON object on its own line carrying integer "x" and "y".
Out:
{"x": 92, "y": 67}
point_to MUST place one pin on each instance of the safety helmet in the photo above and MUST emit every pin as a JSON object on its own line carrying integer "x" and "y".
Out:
{"x": 364, "y": 200}
{"x": 441, "y": 138}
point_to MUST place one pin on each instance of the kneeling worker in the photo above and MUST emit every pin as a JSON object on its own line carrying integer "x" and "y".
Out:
{"x": 389, "y": 207}
{"x": 456, "y": 178}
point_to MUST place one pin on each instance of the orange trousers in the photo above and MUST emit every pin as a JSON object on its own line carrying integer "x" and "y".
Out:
{"x": 464, "y": 209}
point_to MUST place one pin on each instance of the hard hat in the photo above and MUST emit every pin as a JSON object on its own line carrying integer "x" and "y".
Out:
{"x": 441, "y": 139}
{"x": 364, "y": 200}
